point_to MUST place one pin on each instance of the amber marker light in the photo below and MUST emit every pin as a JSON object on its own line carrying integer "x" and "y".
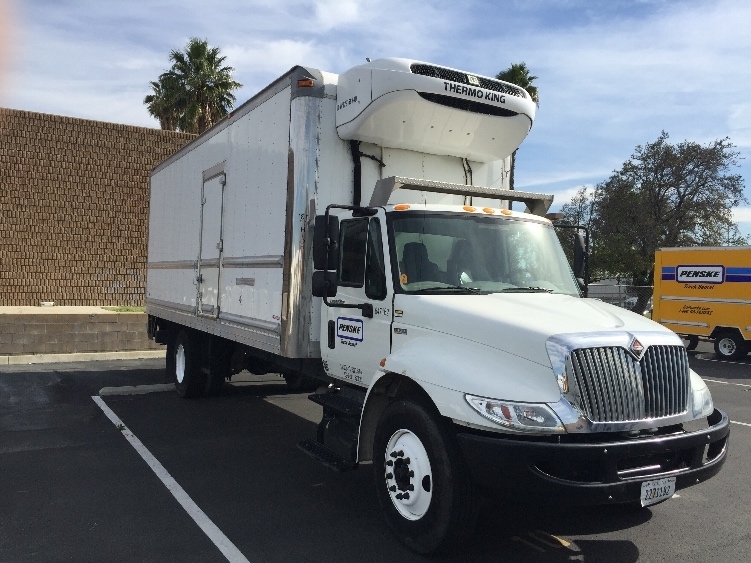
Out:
{"x": 488, "y": 210}
{"x": 468, "y": 208}
{"x": 401, "y": 207}
{"x": 305, "y": 83}
{"x": 506, "y": 212}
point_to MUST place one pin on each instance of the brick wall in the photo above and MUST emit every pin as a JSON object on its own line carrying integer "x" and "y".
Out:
{"x": 69, "y": 332}
{"x": 74, "y": 205}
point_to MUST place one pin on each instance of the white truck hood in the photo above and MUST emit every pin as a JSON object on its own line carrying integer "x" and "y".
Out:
{"x": 516, "y": 323}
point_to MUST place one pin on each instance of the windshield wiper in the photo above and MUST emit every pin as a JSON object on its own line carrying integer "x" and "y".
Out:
{"x": 462, "y": 288}
{"x": 528, "y": 289}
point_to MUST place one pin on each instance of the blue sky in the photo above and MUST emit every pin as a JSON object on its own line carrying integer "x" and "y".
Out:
{"x": 612, "y": 73}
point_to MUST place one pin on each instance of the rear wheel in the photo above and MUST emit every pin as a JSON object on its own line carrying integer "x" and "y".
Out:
{"x": 169, "y": 365}
{"x": 730, "y": 346}
{"x": 421, "y": 481}
{"x": 220, "y": 366}
{"x": 189, "y": 381}
{"x": 693, "y": 342}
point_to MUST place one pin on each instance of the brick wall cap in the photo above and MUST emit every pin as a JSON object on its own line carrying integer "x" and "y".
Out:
{"x": 62, "y": 310}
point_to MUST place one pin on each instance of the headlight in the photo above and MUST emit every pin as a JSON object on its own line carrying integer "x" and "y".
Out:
{"x": 702, "y": 403}
{"x": 524, "y": 417}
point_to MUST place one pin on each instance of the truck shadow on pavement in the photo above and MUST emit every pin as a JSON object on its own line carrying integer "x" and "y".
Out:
{"x": 235, "y": 454}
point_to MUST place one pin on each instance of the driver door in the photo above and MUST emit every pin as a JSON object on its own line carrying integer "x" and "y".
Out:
{"x": 354, "y": 343}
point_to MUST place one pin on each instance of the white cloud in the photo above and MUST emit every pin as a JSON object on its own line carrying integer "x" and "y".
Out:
{"x": 742, "y": 215}
{"x": 336, "y": 13}
{"x": 273, "y": 56}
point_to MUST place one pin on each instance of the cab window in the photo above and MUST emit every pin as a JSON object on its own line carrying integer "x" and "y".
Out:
{"x": 361, "y": 257}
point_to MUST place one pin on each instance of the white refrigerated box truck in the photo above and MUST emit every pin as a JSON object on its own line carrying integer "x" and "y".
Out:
{"x": 354, "y": 233}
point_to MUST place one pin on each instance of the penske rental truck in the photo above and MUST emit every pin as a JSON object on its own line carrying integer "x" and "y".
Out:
{"x": 706, "y": 292}
{"x": 355, "y": 234}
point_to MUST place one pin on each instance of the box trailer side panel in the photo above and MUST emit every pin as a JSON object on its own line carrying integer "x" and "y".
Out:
{"x": 254, "y": 216}
{"x": 706, "y": 291}
{"x": 218, "y": 225}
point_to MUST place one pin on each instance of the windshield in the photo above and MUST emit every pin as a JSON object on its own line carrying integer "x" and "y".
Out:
{"x": 449, "y": 252}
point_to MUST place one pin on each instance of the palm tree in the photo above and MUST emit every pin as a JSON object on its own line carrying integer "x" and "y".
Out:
{"x": 195, "y": 92}
{"x": 205, "y": 93}
{"x": 161, "y": 103}
{"x": 518, "y": 74}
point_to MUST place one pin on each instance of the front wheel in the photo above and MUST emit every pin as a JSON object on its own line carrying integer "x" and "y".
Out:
{"x": 730, "y": 346}
{"x": 421, "y": 481}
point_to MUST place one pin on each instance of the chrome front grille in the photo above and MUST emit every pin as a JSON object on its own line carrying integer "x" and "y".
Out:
{"x": 612, "y": 386}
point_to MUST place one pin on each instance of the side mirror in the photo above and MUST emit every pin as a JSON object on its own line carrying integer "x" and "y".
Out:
{"x": 580, "y": 255}
{"x": 325, "y": 243}
{"x": 581, "y": 261}
{"x": 324, "y": 283}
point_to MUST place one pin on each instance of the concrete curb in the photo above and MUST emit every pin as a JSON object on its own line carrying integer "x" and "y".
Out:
{"x": 80, "y": 357}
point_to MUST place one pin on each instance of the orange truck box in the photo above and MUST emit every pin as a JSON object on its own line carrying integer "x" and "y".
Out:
{"x": 706, "y": 291}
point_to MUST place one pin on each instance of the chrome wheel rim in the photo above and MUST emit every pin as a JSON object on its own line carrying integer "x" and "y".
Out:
{"x": 726, "y": 346}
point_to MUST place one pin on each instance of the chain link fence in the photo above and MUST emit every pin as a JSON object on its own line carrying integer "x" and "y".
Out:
{"x": 637, "y": 298}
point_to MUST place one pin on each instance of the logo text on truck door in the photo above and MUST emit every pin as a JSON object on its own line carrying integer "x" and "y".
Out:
{"x": 349, "y": 329}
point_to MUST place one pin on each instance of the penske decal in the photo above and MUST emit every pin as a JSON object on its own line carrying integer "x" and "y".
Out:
{"x": 479, "y": 93}
{"x": 349, "y": 329}
{"x": 700, "y": 274}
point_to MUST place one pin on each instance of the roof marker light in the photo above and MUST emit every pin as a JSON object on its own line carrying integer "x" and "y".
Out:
{"x": 401, "y": 207}
{"x": 468, "y": 208}
{"x": 489, "y": 210}
{"x": 506, "y": 212}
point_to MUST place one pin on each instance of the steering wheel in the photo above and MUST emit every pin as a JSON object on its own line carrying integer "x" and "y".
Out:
{"x": 521, "y": 277}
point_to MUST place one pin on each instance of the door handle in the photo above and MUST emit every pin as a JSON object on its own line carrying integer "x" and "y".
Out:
{"x": 332, "y": 334}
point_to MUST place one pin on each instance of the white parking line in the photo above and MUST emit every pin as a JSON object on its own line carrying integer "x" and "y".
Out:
{"x": 221, "y": 541}
{"x": 726, "y": 382}
{"x": 741, "y": 423}
{"x": 711, "y": 358}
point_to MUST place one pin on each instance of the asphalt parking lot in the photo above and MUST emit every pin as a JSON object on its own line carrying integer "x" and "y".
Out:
{"x": 151, "y": 477}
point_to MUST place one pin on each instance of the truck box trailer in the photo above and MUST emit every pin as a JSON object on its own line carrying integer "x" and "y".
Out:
{"x": 706, "y": 292}
{"x": 356, "y": 234}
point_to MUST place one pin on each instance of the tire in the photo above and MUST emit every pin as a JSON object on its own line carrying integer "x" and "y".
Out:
{"x": 730, "y": 346}
{"x": 169, "y": 364}
{"x": 421, "y": 480}
{"x": 693, "y": 342}
{"x": 189, "y": 381}
{"x": 219, "y": 368}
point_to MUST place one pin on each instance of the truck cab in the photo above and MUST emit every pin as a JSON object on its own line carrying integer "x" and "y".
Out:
{"x": 460, "y": 333}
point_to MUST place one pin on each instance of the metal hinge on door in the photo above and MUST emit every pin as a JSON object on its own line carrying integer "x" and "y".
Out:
{"x": 220, "y": 246}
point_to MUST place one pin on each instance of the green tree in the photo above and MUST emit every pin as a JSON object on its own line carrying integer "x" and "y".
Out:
{"x": 196, "y": 91}
{"x": 578, "y": 211}
{"x": 665, "y": 195}
{"x": 518, "y": 74}
{"x": 161, "y": 103}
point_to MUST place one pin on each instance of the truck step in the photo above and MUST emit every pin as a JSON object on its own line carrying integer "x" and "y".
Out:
{"x": 330, "y": 459}
{"x": 338, "y": 403}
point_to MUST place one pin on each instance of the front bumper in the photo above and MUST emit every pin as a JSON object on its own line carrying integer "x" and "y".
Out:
{"x": 602, "y": 472}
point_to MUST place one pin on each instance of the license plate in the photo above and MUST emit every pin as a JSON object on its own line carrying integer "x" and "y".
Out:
{"x": 656, "y": 491}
